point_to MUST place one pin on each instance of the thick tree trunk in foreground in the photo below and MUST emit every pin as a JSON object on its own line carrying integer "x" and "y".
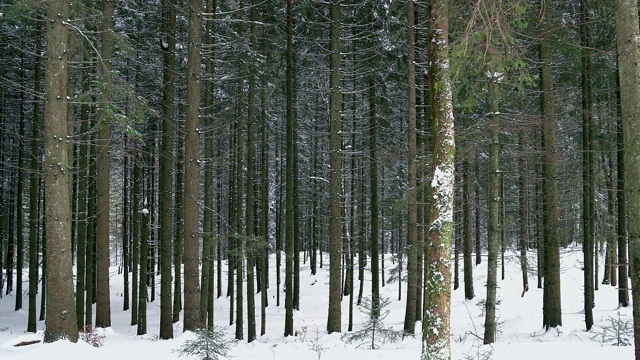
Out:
{"x": 628, "y": 35}
{"x": 552, "y": 314}
{"x": 192, "y": 318}
{"x": 436, "y": 341}
{"x": 61, "y": 316}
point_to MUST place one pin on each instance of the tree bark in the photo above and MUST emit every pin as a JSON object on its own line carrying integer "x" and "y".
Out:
{"x": 412, "y": 206}
{"x": 165, "y": 198}
{"x": 628, "y": 35}
{"x": 493, "y": 226}
{"x": 334, "y": 316}
{"x": 192, "y": 316}
{"x": 103, "y": 298}
{"x": 61, "y": 316}
{"x": 552, "y": 313}
{"x": 468, "y": 226}
{"x": 436, "y": 320}
{"x": 588, "y": 212}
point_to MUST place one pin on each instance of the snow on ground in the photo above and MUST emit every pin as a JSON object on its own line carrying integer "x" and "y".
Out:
{"x": 520, "y": 335}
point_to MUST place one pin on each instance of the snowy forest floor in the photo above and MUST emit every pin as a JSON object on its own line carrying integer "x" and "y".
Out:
{"x": 520, "y": 334}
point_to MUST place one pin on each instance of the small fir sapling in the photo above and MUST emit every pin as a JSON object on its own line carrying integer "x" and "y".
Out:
{"x": 618, "y": 333}
{"x": 209, "y": 344}
{"x": 373, "y": 333}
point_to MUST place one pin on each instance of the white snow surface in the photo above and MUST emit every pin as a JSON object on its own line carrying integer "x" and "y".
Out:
{"x": 520, "y": 335}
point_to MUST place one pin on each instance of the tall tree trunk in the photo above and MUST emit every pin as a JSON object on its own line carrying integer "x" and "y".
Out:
{"x": 208, "y": 209}
{"x": 103, "y": 298}
{"x": 239, "y": 163}
{"x": 436, "y": 320}
{"x": 165, "y": 198}
{"x": 477, "y": 227}
{"x": 192, "y": 318}
{"x": 252, "y": 244}
{"x": 264, "y": 205}
{"x": 493, "y": 198}
{"x": 612, "y": 236}
{"x": 34, "y": 194}
{"x": 412, "y": 201}
{"x": 178, "y": 210}
{"x": 144, "y": 254}
{"x": 20, "y": 194}
{"x": 468, "y": 239}
{"x": 126, "y": 212}
{"x": 588, "y": 212}
{"x": 334, "y": 317}
{"x": 289, "y": 198}
{"x": 523, "y": 221}
{"x": 373, "y": 189}
{"x": 628, "y": 33}
{"x": 136, "y": 212}
{"x": 61, "y": 316}
{"x": 623, "y": 278}
{"x": 552, "y": 314}
{"x": 90, "y": 273}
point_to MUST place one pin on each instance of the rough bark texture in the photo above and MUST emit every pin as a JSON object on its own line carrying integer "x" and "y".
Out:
{"x": 412, "y": 219}
{"x": 192, "y": 318}
{"x": 289, "y": 211}
{"x": 493, "y": 226}
{"x": 468, "y": 227}
{"x": 334, "y": 320}
{"x": 623, "y": 278}
{"x": 436, "y": 340}
{"x": 34, "y": 193}
{"x": 588, "y": 212}
{"x": 61, "y": 316}
{"x": 628, "y": 35}
{"x": 552, "y": 314}
{"x": 103, "y": 298}
{"x": 165, "y": 197}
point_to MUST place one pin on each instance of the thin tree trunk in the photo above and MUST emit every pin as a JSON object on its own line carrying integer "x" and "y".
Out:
{"x": 252, "y": 243}
{"x": 166, "y": 185}
{"x": 374, "y": 202}
{"x": 623, "y": 278}
{"x": 34, "y": 195}
{"x": 208, "y": 209}
{"x": 103, "y": 261}
{"x": 468, "y": 240}
{"x": 588, "y": 212}
{"x": 522, "y": 214}
{"x": 412, "y": 218}
{"x": 477, "y": 226}
{"x": 289, "y": 198}
{"x": 264, "y": 205}
{"x": 334, "y": 321}
{"x": 493, "y": 226}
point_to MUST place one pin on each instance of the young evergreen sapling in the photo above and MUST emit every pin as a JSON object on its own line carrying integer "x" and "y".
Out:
{"x": 373, "y": 333}
{"x": 209, "y": 344}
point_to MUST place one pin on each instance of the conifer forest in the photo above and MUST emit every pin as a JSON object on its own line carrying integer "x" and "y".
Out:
{"x": 203, "y": 162}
